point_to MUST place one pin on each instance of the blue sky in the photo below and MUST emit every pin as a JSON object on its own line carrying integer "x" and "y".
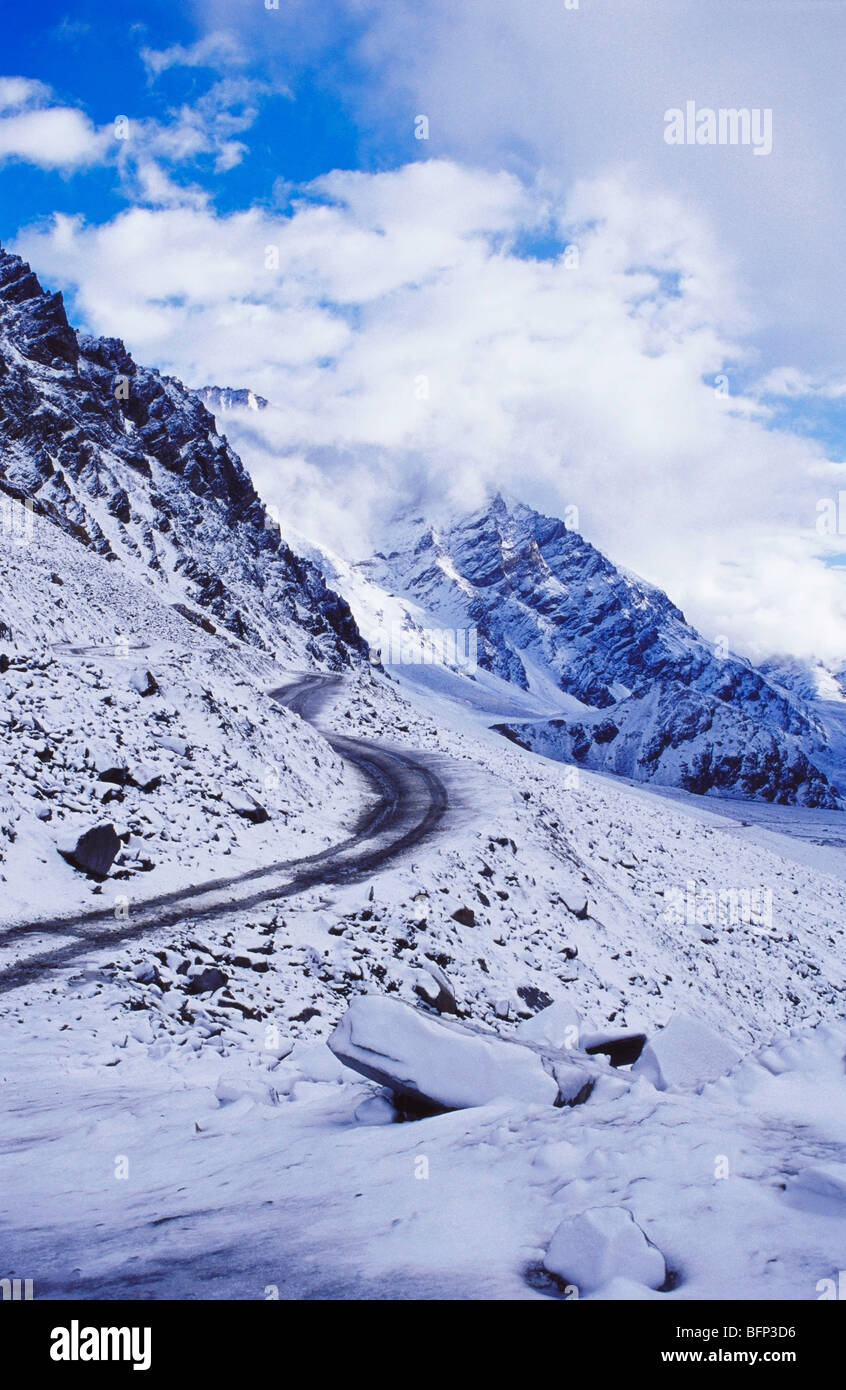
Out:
{"x": 406, "y": 304}
{"x": 93, "y": 60}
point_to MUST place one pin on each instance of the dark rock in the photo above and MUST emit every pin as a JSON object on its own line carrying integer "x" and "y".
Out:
{"x": 119, "y": 776}
{"x": 148, "y": 975}
{"x": 465, "y": 916}
{"x": 247, "y": 807}
{"x": 208, "y": 981}
{"x": 145, "y": 683}
{"x": 196, "y": 618}
{"x": 305, "y": 1015}
{"x": 621, "y": 1049}
{"x": 580, "y": 912}
{"x": 95, "y": 851}
{"x": 535, "y": 998}
{"x": 437, "y": 991}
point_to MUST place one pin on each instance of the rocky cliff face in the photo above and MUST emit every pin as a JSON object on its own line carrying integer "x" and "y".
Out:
{"x": 656, "y": 700}
{"x": 130, "y": 464}
{"x": 219, "y": 399}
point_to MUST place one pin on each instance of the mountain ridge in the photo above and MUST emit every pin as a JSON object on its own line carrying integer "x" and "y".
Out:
{"x": 659, "y": 702}
{"x": 130, "y": 463}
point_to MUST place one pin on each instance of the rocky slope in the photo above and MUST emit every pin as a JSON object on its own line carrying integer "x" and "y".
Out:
{"x": 642, "y": 693}
{"x": 130, "y": 464}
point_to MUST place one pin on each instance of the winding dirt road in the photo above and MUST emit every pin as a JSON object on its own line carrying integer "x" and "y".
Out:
{"x": 410, "y": 801}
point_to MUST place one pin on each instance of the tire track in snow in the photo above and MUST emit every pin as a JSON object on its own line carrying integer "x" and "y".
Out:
{"x": 411, "y": 802}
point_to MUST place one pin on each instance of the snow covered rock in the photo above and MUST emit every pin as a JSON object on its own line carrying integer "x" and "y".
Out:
{"x": 432, "y": 986}
{"x": 822, "y": 1180}
{"x": 376, "y": 1110}
{"x": 95, "y": 851}
{"x": 146, "y": 777}
{"x": 143, "y": 682}
{"x": 557, "y": 1026}
{"x": 436, "y": 1065}
{"x": 209, "y": 979}
{"x": 601, "y": 1244}
{"x": 246, "y": 806}
{"x": 686, "y": 1053}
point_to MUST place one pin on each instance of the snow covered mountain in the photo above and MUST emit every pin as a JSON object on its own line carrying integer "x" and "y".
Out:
{"x": 597, "y": 980}
{"x": 130, "y": 464}
{"x": 223, "y": 398}
{"x": 811, "y": 681}
{"x": 641, "y": 693}
{"x": 144, "y": 597}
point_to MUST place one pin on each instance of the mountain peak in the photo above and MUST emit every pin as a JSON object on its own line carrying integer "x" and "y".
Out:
{"x": 34, "y": 316}
{"x": 130, "y": 464}
{"x": 641, "y": 693}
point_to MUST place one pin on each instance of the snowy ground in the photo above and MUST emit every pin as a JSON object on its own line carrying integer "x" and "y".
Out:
{"x": 206, "y": 743}
{"x": 160, "y": 1141}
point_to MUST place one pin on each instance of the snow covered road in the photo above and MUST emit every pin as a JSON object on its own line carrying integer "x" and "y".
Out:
{"x": 410, "y": 801}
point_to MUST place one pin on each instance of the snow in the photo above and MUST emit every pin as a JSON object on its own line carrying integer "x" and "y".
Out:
{"x": 601, "y": 1244}
{"x": 175, "y": 1124}
{"x": 420, "y": 1058}
{"x": 558, "y": 1026}
{"x": 685, "y": 1053}
{"x": 824, "y": 1180}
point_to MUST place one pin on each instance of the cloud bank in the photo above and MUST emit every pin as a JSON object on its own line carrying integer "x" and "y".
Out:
{"x": 434, "y": 331}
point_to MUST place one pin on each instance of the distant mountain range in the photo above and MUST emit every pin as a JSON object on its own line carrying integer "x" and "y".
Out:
{"x": 134, "y": 467}
{"x": 642, "y": 693}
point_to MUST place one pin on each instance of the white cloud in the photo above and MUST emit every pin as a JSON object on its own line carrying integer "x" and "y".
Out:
{"x": 50, "y": 136}
{"x": 793, "y": 383}
{"x": 36, "y": 129}
{"x": 58, "y": 138}
{"x": 534, "y": 84}
{"x": 17, "y": 92}
{"x": 411, "y": 353}
{"x": 216, "y": 50}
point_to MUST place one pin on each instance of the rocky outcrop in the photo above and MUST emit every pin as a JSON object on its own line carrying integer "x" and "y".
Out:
{"x": 95, "y": 851}
{"x": 130, "y": 464}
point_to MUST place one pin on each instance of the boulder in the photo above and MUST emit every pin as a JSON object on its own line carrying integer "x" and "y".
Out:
{"x": 376, "y": 1110}
{"x": 143, "y": 682}
{"x": 621, "y": 1049}
{"x": 246, "y": 806}
{"x": 95, "y": 851}
{"x": 146, "y": 778}
{"x": 432, "y": 986}
{"x": 601, "y": 1244}
{"x": 118, "y": 774}
{"x": 207, "y": 981}
{"x": 433, "y": 1065}
{"x": 686, "y": 1053}
{"x": 557, "y": 1026}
